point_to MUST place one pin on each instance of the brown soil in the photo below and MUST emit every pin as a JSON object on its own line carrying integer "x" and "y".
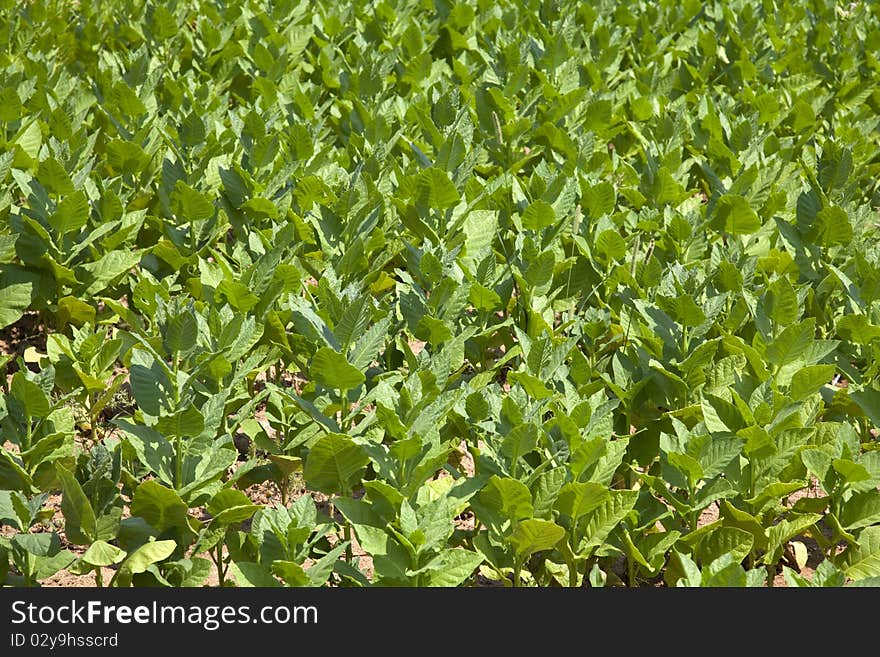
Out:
{"x": 26, "y": 332}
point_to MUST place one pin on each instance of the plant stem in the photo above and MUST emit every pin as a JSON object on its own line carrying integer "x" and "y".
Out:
{"x": 517, "y": 567}
{"x": 631, "y": 572}
{"x": 29, "y": 435}
{"x": 343, "y": 410}
{"x": 347, "y": 534}
{"x": 99, "y": 577}
{"x": 178, "y": 441}
{"x": 221, "y": 573}
{"x": 178, "y": 465}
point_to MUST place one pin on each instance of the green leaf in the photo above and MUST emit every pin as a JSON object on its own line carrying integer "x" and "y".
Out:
{"x": 290, "y": 572}
{"x": 734, "y": 517}
{"x": 781, "y": 302}
{"x": 141, "y": 559}
{"x": 231, "y": 507}
{"x": 247, "y": 574}
{"x": 862, "y": 560}
{"x": 534, "y": 535}
{"x": 720, "y": 415}
{"x": 74, "y": 311}
{"x": 80, "y": 524}
{"x": 725, "y": 541}
{"x": 15, "y": 298}
{"x": 483, "y": 298}
{"x": 54, "y": 178}
{"x": 331, "y": 370}
{"x": 10, "y": 105}
{"x": 181, "y": 332}
{"x": 533, "y": 386}
{"x": 101, "y": 553}
{"x": 734, "y": 215}
{"x": 31, "y": 139}
{"x": 480, "y": 227}
{"x": 600, "y": 523}
{"x": 187, "y": 422}
{"x": 334, "y": 464}
{"x": 831, "y": 227}
{"x": 160, "y": 506}
{"x": 791, "y": 344}
{"x": 71, "y": 215}
{"x": 12, "y": 475}
{"x": 808, "y": 380}
{"x": 505, "y": 497}
{"x": 286, "y": 464}
{"x": 436, "y": 190}
{"x": 861, "y": 510}
{"x": 600, "y": 199}
{"x": 30, "y": 395}
{"x": 538, "y": 215}
{"x": 782, "y": 532}
{"x": 683, "y": 309}
{"x": 869, "y": 401}
{"x": 451, "y": 567}
{"x": 576, "y": 499}
{"x": 190, "y": 205}
{"x": 610, "y": 244}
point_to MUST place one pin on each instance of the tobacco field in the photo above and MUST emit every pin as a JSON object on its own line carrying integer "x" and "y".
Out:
{"x": 439, "y": 293}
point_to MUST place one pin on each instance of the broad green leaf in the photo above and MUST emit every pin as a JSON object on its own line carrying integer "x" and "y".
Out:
{"x": 436, "y": 190}
{"x": 508, "y": 498}
{"x": 181, "y": 332}
{"x": 610, "y": 244}
{"x": 158, "y": 505}
{"x": 725, "y": 541}
{"x": 533, "y": 386}
{"x": 71, "y": 215}
{"x": 781, "y": 302}
{"x": 248, "y": 574}
{"x": 141, "y": 559}
{"x": 152, "y": 449}
{"x": 290, "y": 572}
{"x": 73, "y": 311}
{"x": 32, "y": 398}
{"x": 782, "y": 532}
{"x": 187, "y": 422}
{"x": 331, "y": 369}
{"x": 451, "y": 567}
{"x": 600, "y": 522}
{"x": 831, "y": 227}
{"x": 189, "y": 204}
{"x": 861, "y": 510}
{"x": 576, "y": 499}
{"x": 720, "y": 415}
{"x": 334, "y": 463}
{"x": 230, "y": 507}
{"x": 54, "y": 178}
{"x": 101, "y": 553}
{"x": 808, "y": 380}
{"x": 538, "y": 215}
{"x": 15, "y": 298}
{"x": 31, "y": 139}
{"x": 734, "y": 215}
{"x": 80, "y": 524}
{"x": 862, "y": 560}
{"x": 869, "y": 401}
{"x": 791, "y": 344}
{"x": 533, "y": 535}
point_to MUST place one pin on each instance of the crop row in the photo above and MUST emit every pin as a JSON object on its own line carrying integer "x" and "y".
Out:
{"x": 435, "y": 294}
